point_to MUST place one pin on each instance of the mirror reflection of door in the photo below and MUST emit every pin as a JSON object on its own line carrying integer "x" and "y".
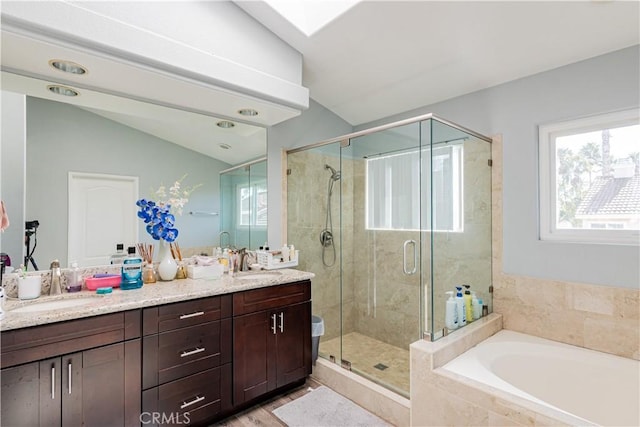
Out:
{"x": 101, "y": 215}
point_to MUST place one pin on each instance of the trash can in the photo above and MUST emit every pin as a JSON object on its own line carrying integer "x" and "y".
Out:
{"x": 317, "y": 330}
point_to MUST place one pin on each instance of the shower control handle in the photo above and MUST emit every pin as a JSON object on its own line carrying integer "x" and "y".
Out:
{"x": 404, "y": 257}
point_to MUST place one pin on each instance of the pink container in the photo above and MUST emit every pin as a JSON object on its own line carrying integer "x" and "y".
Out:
{"x": 94, "y": 283}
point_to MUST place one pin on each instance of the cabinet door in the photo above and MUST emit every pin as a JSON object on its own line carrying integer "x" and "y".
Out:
{"x": 31, "y": 394}
{"x": 254, "y": 368}
{"x": 93, "y": 387}
{"x": 293, "y": 343}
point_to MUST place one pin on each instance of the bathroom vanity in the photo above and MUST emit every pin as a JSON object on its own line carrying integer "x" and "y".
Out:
{"x": 187, "y": 351}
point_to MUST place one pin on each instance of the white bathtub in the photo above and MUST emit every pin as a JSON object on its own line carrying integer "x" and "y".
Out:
{"x": 596, "y": 387}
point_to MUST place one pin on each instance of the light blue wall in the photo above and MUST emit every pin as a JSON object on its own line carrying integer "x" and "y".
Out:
{"x": 515, "y": 110}
{"x": 63, "y": 138}
{"x": 12, "y": 167}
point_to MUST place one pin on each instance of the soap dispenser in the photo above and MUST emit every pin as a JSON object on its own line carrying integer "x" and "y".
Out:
{"x": 451, "y": 312}
{"x": 74, "y": 279}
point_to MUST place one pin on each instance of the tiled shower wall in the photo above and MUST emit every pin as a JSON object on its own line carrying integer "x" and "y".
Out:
{"x": 379, "y": 300}
{"x": 307, "y": 186}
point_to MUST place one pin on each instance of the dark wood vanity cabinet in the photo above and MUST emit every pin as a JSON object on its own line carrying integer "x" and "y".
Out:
{"x": 186, "y": 364}
{"x": 271, "y": 339}
{"x": 80, "y": 372}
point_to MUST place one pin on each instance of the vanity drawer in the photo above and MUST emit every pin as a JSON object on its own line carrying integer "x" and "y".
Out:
{"x": 174, "y": 354}
{"x": 190, "y": 400}
{"x": 271, "y": 297}
{"x": 188, "y": 313}
{"x": 44, "y": 341}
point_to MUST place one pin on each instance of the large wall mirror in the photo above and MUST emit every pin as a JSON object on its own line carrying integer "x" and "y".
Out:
{"x": 97, "y": 133}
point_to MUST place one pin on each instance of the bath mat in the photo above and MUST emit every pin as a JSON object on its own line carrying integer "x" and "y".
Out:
{"x": 324, "y": 407}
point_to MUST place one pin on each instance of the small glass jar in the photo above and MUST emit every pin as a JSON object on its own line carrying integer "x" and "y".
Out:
{"x": 182, "y": 271}
{"x": 149, "y": 274}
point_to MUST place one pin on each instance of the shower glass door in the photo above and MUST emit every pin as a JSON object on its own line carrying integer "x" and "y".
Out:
{"x": 381, "y": 214}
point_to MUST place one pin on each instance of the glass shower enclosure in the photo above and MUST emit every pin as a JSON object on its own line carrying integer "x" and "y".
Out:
{"x": 243, "y": 205}
{"x": 390, "y": 219}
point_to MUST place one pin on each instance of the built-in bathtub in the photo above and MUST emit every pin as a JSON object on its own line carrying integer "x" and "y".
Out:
{"x": 593, "y": 387}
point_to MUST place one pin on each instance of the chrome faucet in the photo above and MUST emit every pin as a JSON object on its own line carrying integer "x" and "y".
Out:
{"x": 243, "y": 263}
{"x": 56, "y": 287}
{"x": 222, "y": 233}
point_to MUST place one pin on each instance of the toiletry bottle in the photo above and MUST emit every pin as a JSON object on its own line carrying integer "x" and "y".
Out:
{"x": 467, "y": 304}
{"x": 451, "y": 312}
{"x": 462, "y": 313}
{"x": 120, "y": 255}
{"x": 56, "y": 286}
{"x": 285, "y": 253}
{"x": 131, "y": 271}
{"x": 74, "y": 279}
{"x": 476, "y": 306}
{"x": 225, "y": 260}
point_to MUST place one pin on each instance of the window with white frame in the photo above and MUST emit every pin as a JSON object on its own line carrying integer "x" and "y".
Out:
{"x": 589, "y": 171}
{"x": 252, "y": 205}
{"x": 394, "y": 190}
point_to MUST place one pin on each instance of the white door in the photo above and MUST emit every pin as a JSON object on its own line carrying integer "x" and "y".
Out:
{"x": 102, "y": 213}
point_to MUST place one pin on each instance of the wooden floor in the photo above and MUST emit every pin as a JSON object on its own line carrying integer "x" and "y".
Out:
{"x": 262, "y": 414}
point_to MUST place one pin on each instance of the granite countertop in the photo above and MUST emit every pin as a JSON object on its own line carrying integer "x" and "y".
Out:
{"x": 147, "y": 296}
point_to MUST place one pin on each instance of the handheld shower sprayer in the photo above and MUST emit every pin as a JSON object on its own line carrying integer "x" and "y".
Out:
{"x": 326, "y": 235}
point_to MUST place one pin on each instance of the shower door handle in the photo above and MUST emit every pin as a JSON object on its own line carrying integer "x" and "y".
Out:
{"x": 404, "y": 257}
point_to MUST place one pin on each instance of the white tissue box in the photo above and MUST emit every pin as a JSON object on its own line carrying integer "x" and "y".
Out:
{"x": 205, "y": 271}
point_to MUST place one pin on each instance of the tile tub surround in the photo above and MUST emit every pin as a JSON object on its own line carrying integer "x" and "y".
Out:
{"x": 146, "y": 296}
{"x": 449, "y": 399}
{"x": 600, "y": 318}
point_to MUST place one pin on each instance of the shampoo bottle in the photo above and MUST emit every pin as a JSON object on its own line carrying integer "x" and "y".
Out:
{"x": 285, "y": 253}
{"x": 476, "y": 305}
{"x": 131, "y": 271}
{"x": 451, "y": 312}
{"x": 467, "y": 304}
{"x": 462, "y": 313}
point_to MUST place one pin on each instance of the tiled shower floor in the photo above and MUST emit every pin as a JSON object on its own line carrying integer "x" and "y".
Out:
{"x": 365, "y": 353}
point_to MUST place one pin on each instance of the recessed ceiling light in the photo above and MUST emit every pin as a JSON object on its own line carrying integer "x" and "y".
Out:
{"x": 67, "y": 66}
{"x": 63, "y": 90}
{"x": 225, "y": 124}
{"x": 248, "y": 112}
{"x": 224, "y": 146}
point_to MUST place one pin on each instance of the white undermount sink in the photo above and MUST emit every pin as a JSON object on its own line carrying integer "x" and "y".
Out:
{"x": 53, "y": 305}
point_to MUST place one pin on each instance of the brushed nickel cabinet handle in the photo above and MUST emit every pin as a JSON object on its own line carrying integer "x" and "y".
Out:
{"x": 273, "y": 324}
{"x": 281, "y": 322}
{"x": 53, "y": 383}
{"x": 194, "y": 401}
{"x": 69, "y": 375}
{"x": 197, "y": 313}
{"x": 195, "y": 351}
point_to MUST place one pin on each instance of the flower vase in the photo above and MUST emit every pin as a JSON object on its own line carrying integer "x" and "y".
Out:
{"x": 168, "y": 266}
